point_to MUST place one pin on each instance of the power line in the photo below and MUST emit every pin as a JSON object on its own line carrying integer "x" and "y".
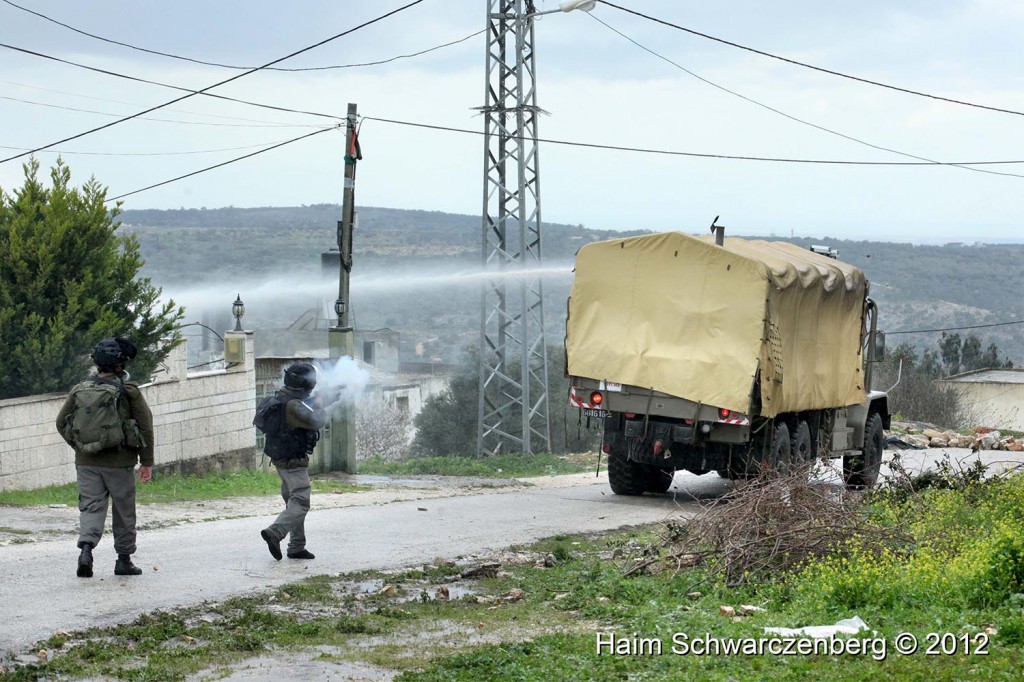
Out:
{"x": 185, "y": 153}
{"x": 231, "y": 66}
{"x": 954, "y": 329}
{"x": 789, "y": 116}
{"x": 666, "y": 152}
{"x": 219, "y": 165}
{"x": 811, "y": 66}
{"x": 180, "y": 111}
{"x": 164, "y": 85}
{"x": 164, "y": 120}
{"x": 223, "y": 82}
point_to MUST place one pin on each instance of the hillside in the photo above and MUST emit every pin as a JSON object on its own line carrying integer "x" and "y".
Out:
{"x": 407, "y": 267}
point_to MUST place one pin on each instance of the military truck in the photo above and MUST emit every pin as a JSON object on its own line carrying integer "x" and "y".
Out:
{"x": 724, "y": 354}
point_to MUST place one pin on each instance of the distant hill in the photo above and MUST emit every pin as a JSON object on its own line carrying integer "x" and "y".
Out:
{"x": 917, "y": 287}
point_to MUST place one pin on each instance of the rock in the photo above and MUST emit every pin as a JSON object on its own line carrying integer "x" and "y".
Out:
{"x": 1016, "y": 446}
{"x": 727, "y": 611}
{"x": 488, "y": 570}
{"x": 938, "y": 442}
{"x": 549, "y": 561}
{"x": 515, "y": 594}
{"x": 931, "y": 433}
{"x": 387, "y": 590}
{"x": 960, "y": 440}
{"x": 989, "y": 440}
{"x": 693, "y": 596}
{"x": 747, "y": 609}
{"x": 442, "y": 593}
{"x": 917, "y": 441}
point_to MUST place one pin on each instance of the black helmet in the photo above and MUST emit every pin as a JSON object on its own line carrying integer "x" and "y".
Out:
{"x": 301, "y": 376}
{"x": 110, "y": 352}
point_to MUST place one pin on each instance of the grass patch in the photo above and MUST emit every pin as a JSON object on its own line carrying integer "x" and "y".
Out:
{"x": 14, "y": 531}
{"x": 174, "y": 488}
{"x": 500, "y": 466}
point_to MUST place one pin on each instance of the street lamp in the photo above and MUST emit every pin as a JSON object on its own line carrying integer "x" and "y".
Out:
{"x": 339, "y": 310}
{"x": 569, "y": 6}
{"x": 238, "y": 310}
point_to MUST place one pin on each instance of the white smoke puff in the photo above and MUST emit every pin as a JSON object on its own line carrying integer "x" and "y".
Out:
{"x": 344, "y": 380}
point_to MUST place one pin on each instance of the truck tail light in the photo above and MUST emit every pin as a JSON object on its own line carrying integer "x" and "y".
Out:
{"x": 596, "y": 398}
{"x": 723, "y": 413}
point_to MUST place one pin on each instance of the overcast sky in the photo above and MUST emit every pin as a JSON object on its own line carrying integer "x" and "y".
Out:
{"x": 596, "y": 85}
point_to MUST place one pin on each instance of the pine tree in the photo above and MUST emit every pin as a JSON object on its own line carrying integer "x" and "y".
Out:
{"x": 67, "y": 280}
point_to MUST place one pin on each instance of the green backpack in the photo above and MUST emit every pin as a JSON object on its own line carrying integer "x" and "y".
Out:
{"x": 98, "y": 420}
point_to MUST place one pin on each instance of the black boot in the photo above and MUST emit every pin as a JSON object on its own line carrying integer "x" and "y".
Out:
{"x": 124, "y": 566}
{"x": 85, "y": 561}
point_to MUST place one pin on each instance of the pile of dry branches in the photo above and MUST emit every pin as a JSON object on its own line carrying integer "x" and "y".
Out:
{"x": 768, "y": 526}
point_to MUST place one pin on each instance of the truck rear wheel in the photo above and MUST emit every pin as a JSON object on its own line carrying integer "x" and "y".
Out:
{"x": 625, "y": 476}
{"x": 861, "y": 471}
{"x": 802, "y": 448}
{"x": 659, "y": 479}
{"x": 782, "y": 450}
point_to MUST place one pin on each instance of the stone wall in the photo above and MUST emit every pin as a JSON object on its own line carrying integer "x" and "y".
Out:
{"x": 202, "y": 421}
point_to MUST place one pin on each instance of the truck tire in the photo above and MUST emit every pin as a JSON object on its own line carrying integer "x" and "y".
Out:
{"x": 802, "y": 447}
{"x": 625, "y": 476}
{"x": 659, "y": 479}
{"x": 860, "y": 472}
{"x": 781, "y": 454}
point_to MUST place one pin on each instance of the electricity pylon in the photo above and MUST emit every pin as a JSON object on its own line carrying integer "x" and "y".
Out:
{"x": 513, "y": 405}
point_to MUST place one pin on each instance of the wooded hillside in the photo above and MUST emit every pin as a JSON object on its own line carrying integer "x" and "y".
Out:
{"x": 917, "y": 287}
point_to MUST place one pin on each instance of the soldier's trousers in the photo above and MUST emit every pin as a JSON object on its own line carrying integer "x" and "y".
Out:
{"x": 95, "y": 486}
{"x": 295, "y": 490}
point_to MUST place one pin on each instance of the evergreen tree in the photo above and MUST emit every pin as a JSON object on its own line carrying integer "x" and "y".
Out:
{"x": 67, "y": 280}
{"x": 950, "y": 345}
{"x": 971, "y": 357}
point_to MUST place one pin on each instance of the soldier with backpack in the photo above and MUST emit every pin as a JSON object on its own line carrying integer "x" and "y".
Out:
{"x": 108, "y": 423}
{"x": 291, "y": 421}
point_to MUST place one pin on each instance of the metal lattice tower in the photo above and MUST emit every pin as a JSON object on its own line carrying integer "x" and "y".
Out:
{"x": 513, "y": 408}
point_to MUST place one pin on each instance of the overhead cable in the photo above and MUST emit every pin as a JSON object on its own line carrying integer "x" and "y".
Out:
{"x": 166, "y": 85}
{"x": 175, "y": 109}
{"x": 220, "y": 165}
{"x": 178, "y": 153}
{"x": 231, "y": 66}
{"x": 218, "y": 84}
{"x": 667, "y": 152}
{"x": 811, "y": 66}
{"x": 954, "y": 329}
{"x": 789, "y": 116}
{"x": 165, "y": 120}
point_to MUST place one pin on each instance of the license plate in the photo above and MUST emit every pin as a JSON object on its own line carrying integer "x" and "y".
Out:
{"x": 596, "y": 412}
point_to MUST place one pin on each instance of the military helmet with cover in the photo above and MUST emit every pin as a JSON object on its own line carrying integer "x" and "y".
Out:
{"x": 115, "y": 351}
{"x": 300, "y": 376}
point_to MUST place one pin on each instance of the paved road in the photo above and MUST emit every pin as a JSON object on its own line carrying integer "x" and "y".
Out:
{"x": 184, "y": 565}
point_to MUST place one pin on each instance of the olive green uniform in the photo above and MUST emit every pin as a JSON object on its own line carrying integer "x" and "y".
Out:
{"x": 110, "y": 474}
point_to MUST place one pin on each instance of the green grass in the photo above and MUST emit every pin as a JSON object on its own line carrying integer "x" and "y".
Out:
{"x": 500, "y": 466}
{"x": 173, "y": 488}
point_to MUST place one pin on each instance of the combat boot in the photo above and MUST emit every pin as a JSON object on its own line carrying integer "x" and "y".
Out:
{"x": 85, "y": 561}
{"x": 124, "y": 566}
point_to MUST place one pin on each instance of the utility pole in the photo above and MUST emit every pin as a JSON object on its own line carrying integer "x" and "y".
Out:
{"x": 341, "y": 341}
{"x": 513, "y": 403}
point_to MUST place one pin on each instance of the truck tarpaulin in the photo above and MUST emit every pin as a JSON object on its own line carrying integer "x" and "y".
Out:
{"x": 682, "y": 316}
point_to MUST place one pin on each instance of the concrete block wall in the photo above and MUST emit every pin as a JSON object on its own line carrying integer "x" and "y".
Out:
{"x": 196, "y": 417}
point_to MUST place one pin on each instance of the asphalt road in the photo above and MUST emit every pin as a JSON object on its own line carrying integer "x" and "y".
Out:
{"x": 188, "y": 564}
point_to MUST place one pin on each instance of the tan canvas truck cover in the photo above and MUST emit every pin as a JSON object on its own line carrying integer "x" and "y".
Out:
{"x": 688, "y": 318}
